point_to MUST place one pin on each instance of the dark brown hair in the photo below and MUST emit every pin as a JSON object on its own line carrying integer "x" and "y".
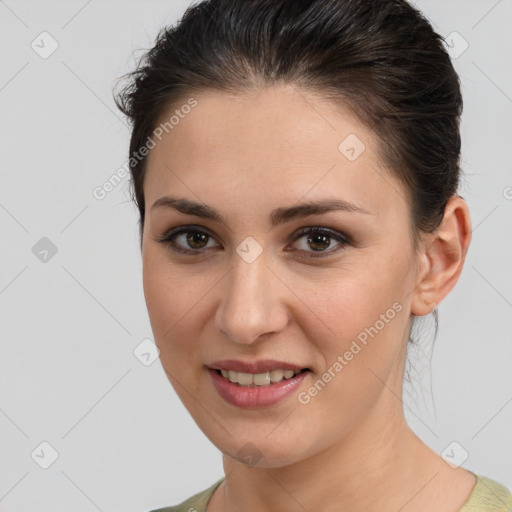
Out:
{"x": 379, "y": 58}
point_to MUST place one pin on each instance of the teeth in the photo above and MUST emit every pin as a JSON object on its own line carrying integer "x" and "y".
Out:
{"x": 276, "y": 375}
{"x": 244, "y": 379}
{"x": 258, "y": 379}
{"x": 288, "y": 374}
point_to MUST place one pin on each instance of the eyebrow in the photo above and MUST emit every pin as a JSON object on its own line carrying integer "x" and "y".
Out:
{"x": 277, "y": 216}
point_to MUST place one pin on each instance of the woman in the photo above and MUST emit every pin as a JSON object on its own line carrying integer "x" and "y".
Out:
{"x": 296, "y": 165}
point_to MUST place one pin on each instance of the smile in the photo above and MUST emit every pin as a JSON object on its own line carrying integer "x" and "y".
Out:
{"x": 251, "y": 395}
{"x": 258, "y": 379}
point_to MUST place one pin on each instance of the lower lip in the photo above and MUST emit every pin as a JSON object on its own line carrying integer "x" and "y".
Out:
{"x": 257, "y": 396}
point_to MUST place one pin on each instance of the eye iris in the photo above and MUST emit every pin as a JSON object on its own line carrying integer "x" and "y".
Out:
{"x": 196, "y": 237}
{"x": 319, "y": 239}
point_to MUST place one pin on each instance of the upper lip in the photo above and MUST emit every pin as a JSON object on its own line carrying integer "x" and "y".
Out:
{"x": 261, "y": 366}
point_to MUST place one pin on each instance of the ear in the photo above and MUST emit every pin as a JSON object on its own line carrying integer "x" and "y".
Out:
{"x": 442, "y": 257}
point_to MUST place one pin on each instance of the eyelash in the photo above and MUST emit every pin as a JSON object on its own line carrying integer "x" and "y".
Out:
{"x": 169, "y": 238}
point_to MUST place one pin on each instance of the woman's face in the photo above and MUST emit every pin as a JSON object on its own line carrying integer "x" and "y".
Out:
{"x": 247, "y": 285}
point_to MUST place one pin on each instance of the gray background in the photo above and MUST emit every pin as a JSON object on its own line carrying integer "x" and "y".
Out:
{"x": 70, "y": 322}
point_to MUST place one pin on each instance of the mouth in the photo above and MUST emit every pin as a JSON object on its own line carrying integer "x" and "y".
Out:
{"x": 264, "y": 379}
{"x": 257, "y": 390}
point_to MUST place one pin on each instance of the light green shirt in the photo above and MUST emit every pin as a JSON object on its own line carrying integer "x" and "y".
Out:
{"x": 486, "y": 496}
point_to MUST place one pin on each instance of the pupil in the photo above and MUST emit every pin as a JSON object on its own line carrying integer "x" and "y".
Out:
{"x": 321, "y": 237}
{"x": 196, "y": 238}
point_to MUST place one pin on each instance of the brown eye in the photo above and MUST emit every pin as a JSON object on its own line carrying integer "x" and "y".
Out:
{"x": 187, "y": 240}
{"x": 318, "y": 240}
{"x": 197, "y": 239}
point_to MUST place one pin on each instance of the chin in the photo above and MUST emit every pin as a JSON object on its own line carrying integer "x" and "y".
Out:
{"x": 261, "y": 451}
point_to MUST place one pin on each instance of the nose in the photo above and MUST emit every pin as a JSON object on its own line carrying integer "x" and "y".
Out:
{"x": 252, "y": 304}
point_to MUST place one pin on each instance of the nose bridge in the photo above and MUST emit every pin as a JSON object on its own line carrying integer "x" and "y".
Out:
{"x": 250, "y": 305}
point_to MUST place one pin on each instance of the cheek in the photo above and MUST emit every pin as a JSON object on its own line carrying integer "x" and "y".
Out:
{"x": 160, "y": 300}
{"x": 170, "y": 291}
{"x": 345, "y": 302}
{"x": 361, "y": 334}
{"x": 361, "y": 349}
{"x": 170, "y": 300}
{"x": 170, "y": 297}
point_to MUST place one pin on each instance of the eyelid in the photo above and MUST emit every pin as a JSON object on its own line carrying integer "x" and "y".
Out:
{"x": 334, "y": 233}
{"x": 340, "y": 237}
{"x": 170, "y": 236}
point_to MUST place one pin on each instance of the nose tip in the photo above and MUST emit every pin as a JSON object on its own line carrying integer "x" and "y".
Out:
{"x": 251, "y": 307}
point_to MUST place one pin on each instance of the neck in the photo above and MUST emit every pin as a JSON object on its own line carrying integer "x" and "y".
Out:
{"x": 380, "y": 461}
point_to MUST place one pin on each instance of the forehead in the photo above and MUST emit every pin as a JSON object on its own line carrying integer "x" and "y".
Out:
{"x": 281, "y": 119}
{"x": 268, "y": 147}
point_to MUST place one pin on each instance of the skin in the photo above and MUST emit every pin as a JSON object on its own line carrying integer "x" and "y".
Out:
{"x": 349, "y": 448}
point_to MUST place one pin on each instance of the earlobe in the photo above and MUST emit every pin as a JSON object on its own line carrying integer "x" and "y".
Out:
{"x": 443, "y": 258}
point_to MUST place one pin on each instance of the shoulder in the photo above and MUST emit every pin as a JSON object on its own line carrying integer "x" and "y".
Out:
{"x": 488, "y": 496}
{"x": 196, "y": 503}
